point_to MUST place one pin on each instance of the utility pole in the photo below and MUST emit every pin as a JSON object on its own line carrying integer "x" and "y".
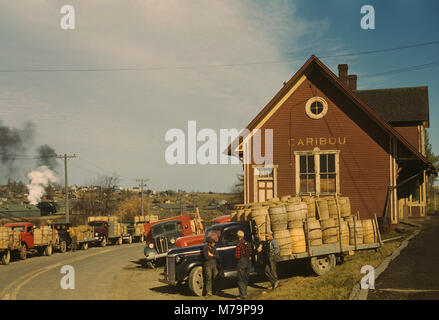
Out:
{"x": 66, "y": 186}
{"x": 142, "y": 184}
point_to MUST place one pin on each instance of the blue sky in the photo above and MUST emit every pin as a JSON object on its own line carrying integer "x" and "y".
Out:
{"x": 116, "y": 121}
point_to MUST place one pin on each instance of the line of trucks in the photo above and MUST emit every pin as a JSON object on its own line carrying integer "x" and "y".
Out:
{"x": 19, "y": 239}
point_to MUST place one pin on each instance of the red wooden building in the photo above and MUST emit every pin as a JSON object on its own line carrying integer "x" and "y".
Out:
{"x": 329, "y": 137}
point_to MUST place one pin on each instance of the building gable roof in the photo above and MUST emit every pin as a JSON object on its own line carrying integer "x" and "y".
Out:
{"x": 398, "y": 104}
{"x": 314, "y": 62}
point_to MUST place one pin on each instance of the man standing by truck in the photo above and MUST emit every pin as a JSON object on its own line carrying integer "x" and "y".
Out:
{"x": 72, "y": 235}
{"x": 270, "y": 249}
{"x": 210, "y": 264}
{"x": 243, "y": 254}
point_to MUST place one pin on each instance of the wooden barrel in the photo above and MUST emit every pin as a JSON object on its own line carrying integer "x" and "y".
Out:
{"x": 296, "y": 211}
{"x": 283, "y": 239}
{"x": 369, "y": 231}
{"x": 246, "y": 215}
{"x": 311, "y": 206}
{"x": 359, "y": 230}
{"x": 294, "y": 200}
{"x": 313, "y": 224}
{"x": 293, "y": 224}
{"x": 278, "y": 214}
{"x": 332, "y": 208}
{"x": 262, "y": 221}
{"x": 239, "y": 214}
{"x": 330, "y": 235}
{"x": 328, "y": 223}
{"x": 344, "y": 233}
{"x": 323, "y": 211}
{"x": 345, "y": 206}
{"x": 298, "y": 242}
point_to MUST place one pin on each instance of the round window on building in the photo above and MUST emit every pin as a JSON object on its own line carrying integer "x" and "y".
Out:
{"x": 316, "y": 108}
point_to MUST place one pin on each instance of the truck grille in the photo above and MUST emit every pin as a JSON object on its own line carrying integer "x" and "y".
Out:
{"x": 170, "y": 268}
{"x": 161, "y": 244}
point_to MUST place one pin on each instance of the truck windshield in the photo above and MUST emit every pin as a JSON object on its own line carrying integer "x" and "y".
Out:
{"x": 163, "y": 228}
{"x": 214, "y": 234}
{"x": 96, "y": 224}
{"x": 20, "y": 228}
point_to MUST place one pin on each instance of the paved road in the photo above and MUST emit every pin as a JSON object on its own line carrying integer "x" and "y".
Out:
{"x": 40, "y": 277}
{"x": 113, "y": 272}
{"x": 414, "y": 274}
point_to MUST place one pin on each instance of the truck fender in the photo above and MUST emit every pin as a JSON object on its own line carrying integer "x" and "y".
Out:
{"x": 186, "y": 270}
{"x": 151, "y": 252}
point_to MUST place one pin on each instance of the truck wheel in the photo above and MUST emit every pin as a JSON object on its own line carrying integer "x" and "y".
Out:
{"x": 150, "y": 265}
{"x": 48, "y": 250}
{"x": 63, "y": 247}
{"x": 23, "y": 253}
{"x": 85, "y": 246}
{"x": 196, "y": 281}
{"x": 6, "y": 257}
{"x": 322, "y": 264}
{"x": 119, "y": 241}
{"x": 103, "y": 242}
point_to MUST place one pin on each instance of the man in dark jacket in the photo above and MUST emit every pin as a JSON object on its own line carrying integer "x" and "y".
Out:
{"x": 243, "y": 254}
{"x": 210, "y": 265}
{"x": 270, "y": 250}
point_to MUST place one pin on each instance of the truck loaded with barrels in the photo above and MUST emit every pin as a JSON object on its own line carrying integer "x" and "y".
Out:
{"x": 42, "y": 240}
{"x": 321, "y": 230}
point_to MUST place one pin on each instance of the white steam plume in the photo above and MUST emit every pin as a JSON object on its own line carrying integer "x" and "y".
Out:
{"x": 39, "y": 179}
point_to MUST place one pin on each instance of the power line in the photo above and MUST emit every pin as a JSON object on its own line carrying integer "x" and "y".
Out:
{"x": 31, "y": 70}
{"x": 405, "y": 69}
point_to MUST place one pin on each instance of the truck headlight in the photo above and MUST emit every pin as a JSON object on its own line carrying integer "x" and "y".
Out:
{"x": 151, "y": 245}
{"x": 172, "y": 241}
{"x": 96, "y": 234}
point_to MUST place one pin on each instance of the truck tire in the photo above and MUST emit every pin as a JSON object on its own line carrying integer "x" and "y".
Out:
{"x": 23, "y": 252}
{"x": 48, "y": 250}
{"x": 85, "y": 246}
{"x": 196, "y": 281}
{"x": 63, "y": 247}
{"x": 322, "y": 264}
{"x": 6, "y": 257}
{"x": 103, "y": 243}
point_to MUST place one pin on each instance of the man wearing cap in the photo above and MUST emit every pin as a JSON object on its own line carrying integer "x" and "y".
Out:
{"x": 270, "y": 249}
{"x": 210, "y": 264}
{"x": 243, "y": 254}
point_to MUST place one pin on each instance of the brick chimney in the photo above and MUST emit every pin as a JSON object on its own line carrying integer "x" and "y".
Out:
{"x": 352, "y": 81}
{"x": 343, "y": 73}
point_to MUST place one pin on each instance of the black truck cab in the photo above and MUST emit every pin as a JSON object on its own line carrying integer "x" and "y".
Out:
{"x": 162, "y": 237}
{"x": 185, "y": 264}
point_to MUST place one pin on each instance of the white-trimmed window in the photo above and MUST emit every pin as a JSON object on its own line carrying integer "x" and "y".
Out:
{"x": 316, "y": 108}
{"x": 317, "y": 171}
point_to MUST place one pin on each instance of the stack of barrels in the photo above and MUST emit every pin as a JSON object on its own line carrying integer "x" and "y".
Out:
{"x": 286, "y": 218}
{"x": 296, "y": 215}
{"x": 279, "y": 227}
{"x": 315, "y": 232}
{"x": 329, "y": 230}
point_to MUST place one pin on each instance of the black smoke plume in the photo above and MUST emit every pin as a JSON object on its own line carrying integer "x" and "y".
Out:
{"x": 47, "y": 157}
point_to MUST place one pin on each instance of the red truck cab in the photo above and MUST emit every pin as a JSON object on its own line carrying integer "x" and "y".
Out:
{"x": 27, "y": 232}
{"x": 193, "y": 240}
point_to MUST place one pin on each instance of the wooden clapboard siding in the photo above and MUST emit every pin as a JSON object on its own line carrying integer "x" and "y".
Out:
{"x": 364, "y": 157}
